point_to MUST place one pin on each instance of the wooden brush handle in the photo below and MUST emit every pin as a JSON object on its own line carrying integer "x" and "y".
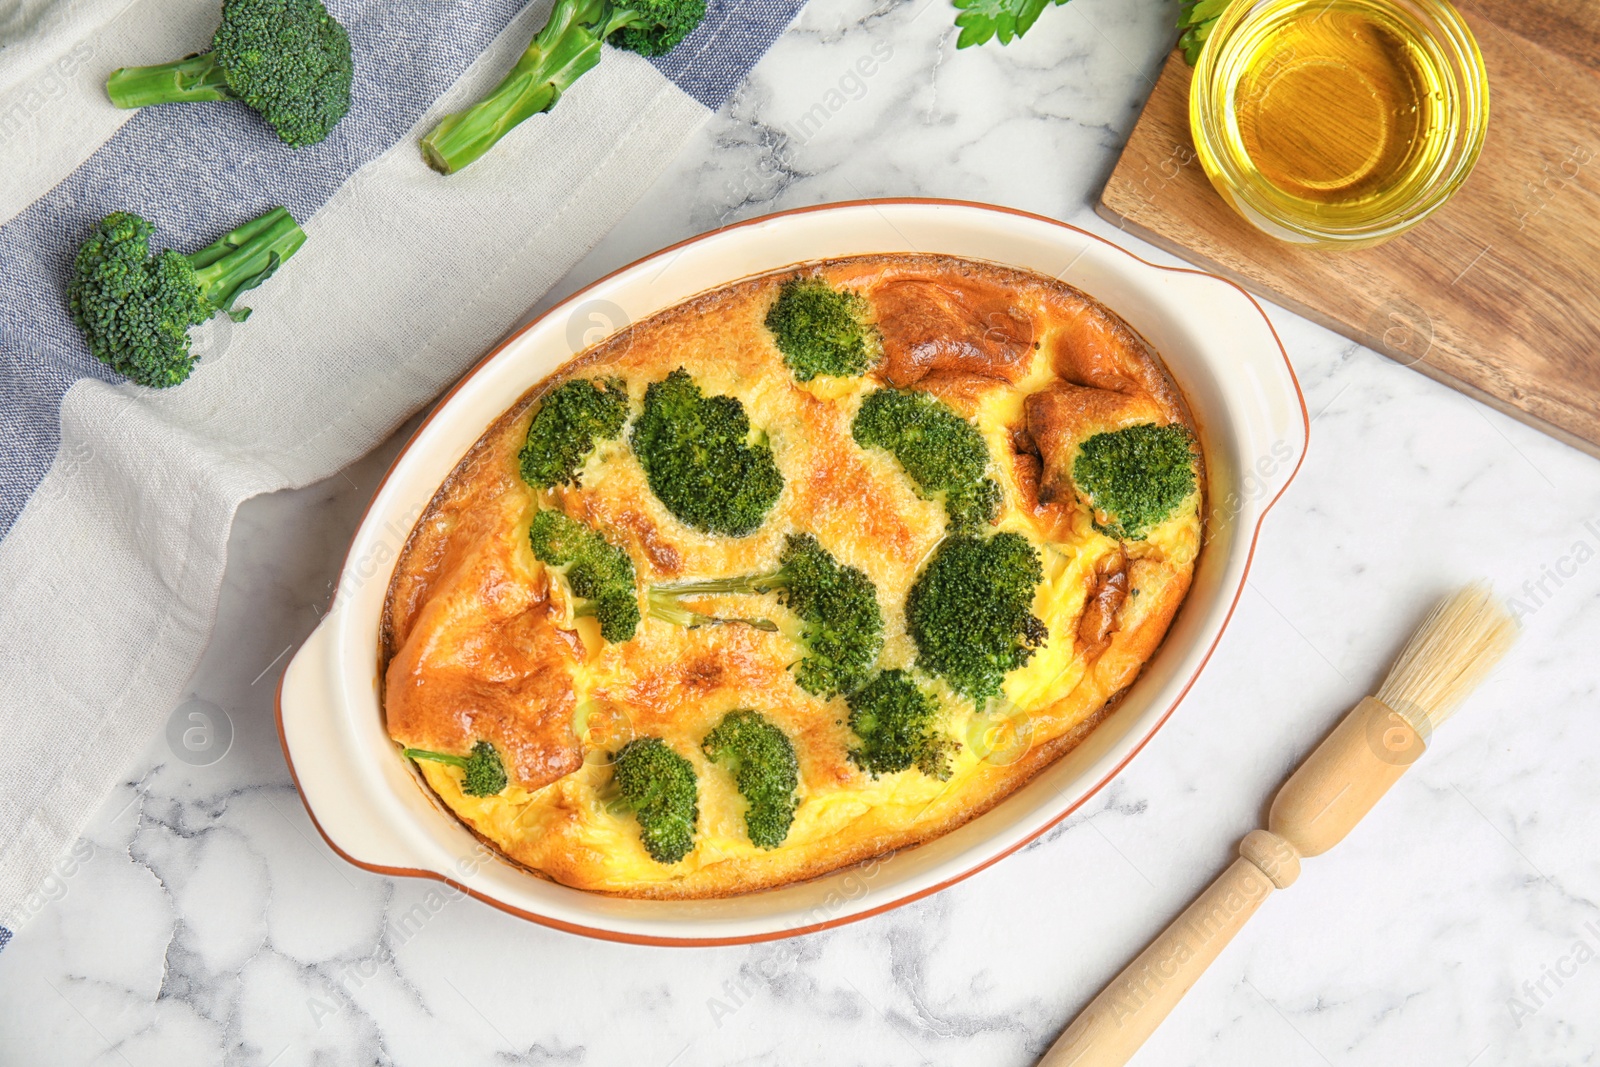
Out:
{"x": 1119, "y": 1020}
{"x": 1320, "y": 803}
{"x": 1344, "y": 777}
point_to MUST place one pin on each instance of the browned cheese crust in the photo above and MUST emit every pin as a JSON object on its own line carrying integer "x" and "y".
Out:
{"x": 479, "y": 641}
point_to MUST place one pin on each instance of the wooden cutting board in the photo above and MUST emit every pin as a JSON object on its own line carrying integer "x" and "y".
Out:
{"x": 1497, "y": 294}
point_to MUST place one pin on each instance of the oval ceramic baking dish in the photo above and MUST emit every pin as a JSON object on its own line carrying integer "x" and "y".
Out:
{"x": 373, "y": 810}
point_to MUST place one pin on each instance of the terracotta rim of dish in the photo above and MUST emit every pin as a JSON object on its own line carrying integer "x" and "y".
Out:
{"x": 778, "y": 935}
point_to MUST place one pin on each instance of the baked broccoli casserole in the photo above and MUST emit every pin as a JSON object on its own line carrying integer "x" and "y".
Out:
{"x": 815, "y": 566}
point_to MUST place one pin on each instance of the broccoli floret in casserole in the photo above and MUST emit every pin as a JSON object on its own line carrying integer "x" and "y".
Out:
{"x": 1135, "y": 478}
{"x": 135, "y": 309}
{"x": 599, "y": 573}
{"x": 485, "y": 775}
{"x": 943, "y": 454}
{"x": 700, "y": 460}
{"x": 571, "y": 420}
{"x": 566, "y": 48}
{"x": 837, "y": 605}
{"x": 662, "y": 791}
{"x": 764, "y": 767}
{"x": 970, "y": 612}
{"x": 822, "y": 330}
{"x": 895, "y": 721}
{"x": 287, "y": 59}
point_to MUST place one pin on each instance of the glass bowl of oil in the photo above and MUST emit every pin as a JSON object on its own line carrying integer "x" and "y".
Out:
{"x": 1338, "y": 123}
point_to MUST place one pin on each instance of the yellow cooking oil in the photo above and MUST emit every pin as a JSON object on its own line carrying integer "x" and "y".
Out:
{"x": 1336, "y": 112}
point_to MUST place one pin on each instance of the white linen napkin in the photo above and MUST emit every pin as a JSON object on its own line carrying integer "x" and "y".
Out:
{"x": 116, "y": 501}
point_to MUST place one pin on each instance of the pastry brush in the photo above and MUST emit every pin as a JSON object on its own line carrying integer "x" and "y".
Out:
{"x": 1321, "y": 802}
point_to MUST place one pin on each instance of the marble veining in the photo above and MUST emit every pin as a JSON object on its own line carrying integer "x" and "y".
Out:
{"x": 202, "y": 920}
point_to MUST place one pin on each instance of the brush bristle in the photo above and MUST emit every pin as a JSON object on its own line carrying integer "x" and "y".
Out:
{"x": 1451, "y": 652}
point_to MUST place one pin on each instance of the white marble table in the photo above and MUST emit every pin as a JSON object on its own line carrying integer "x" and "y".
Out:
{"x": 206, "y": 922}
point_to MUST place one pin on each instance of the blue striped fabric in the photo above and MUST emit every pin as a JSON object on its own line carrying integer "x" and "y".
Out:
{"x": 714, "y": 59}
{"x": 197, "y": 170}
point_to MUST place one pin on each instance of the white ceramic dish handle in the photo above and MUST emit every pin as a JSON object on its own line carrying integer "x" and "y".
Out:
{"x": 338, "y": 795}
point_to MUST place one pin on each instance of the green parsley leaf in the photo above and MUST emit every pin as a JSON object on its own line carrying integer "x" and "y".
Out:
{"x": 1195, "y": 19}
{"x": 981, "y": 20}
{"x": 1006, "y": 19}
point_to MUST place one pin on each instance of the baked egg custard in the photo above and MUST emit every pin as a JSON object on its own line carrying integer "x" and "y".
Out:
{"x": 816, "y": 566}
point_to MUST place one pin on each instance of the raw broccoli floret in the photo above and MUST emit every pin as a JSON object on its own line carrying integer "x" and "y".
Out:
{"x": 287, "y": 59}
{"x": 566, "y": 48}
{"x": 895, "y": 720}
{"x": 943, "y": 454}
{"x": 1135, "y": 477}
{"x": 485, "y": 774}
{"x": 838, "y": 605}
{"x": 822, "y": 330}
{"x": 135, "y": 309}
{"x": 970, "y": 612}
{"x": 599, "y": 573}
{"x": 570, "y": 420}
{"x": 661, "y": 789}
{"x": 765, "y": 770}
{"x": 699, "y": 460}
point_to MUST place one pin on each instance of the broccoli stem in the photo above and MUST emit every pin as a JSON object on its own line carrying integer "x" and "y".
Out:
{"x": 562, "y": 52}
{"x": 243, "y": 258}
{"x": 743, "y": 584}
{"x": 664, "y": 605}
{"x": 437, "y": 757}
{"x": 184, "y": 80}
